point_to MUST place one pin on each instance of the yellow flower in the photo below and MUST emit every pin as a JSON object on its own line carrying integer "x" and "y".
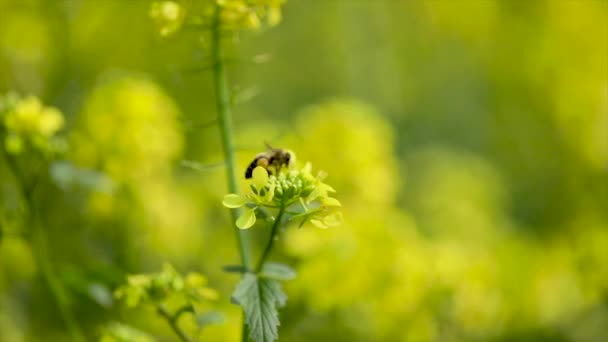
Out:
{"x": 304, "y": 196}
{"x": 168, "y": 15}
{"x": 28, "y": 121}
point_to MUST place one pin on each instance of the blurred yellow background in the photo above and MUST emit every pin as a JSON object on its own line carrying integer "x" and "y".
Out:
{"x": 467, "y": 140}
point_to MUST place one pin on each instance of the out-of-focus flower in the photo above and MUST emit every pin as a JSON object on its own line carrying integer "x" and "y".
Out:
{"x": 27, "y": 122}
{"x": 250, "y": 14}
{"x": 129, "y": 131}
{"x": 296, "y": 189}
{"x": 161, "y": 286}
{"x": 171, "y": 294}
{"x": 168, "y": 16}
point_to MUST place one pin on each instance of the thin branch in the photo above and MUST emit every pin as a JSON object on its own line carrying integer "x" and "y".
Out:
{"x": 274, "y": 231}
{"x": 199, "y": 167}
{"x": 172, "y": 320}
{"x": 193, "y": 126}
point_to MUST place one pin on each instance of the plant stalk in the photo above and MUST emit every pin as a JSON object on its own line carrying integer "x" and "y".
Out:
{"x": 224, "y": 118}
{"x": 273, "y": 233}
{"x": 40, "y": 247}
{"x": 172, "y": 320}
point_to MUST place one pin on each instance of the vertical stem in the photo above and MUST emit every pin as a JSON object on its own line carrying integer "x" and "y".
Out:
{"x": 224, "y": 117}
{"x": 40, "y": 248}
{"x": 40, "y": 245}
{"x": 273, "y": 233}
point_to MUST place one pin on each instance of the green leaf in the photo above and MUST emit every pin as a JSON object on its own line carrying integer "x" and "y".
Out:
{"x": 260, "y": 298}
{"x": 247, "y": 219}
{"x": 100, "y": 294}
{"x": 275, "y": 270}
{"x": 234, "y": 201}
{"x": 234, "y": 269}
{"x": 208, "y": 318}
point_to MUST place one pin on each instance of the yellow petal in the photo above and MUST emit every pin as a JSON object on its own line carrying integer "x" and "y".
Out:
{"x": 326, "y": 187}
{"x": 319, "y": 224}
{"x": 233, "y": 201}
{"x": 260, "y": 177}
{"x": 331, "y": 202}
{"x": 246, "y": 220}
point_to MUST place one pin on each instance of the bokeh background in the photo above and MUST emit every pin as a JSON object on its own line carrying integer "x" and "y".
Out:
{"x": 468, "y": 142}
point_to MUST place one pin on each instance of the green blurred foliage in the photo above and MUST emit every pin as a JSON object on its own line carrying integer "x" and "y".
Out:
{"x": 467, "y": 140}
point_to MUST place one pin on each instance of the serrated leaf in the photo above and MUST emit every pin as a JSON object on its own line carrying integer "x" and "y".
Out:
{"x": 275, "y": 270}
{"x": 247, "y": 219}
{"x": 260, "y": 298}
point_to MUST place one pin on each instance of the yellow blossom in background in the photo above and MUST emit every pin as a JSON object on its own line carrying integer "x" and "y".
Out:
{"x": 361, "y": 143}
{"x": 448, "y": 262}
{"x": 250, "y": 14}
{"x": 28, "y": 122}
{"x": 168, "y": 16}
{"x": 469, "y": 154}
{"x": 129, "y": 130}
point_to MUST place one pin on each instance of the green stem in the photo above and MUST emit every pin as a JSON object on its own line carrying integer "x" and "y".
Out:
{"x": 273, "y": 233}
{"x": 172, "y": 320}
{"x": 224, "y": 118}
{"x": 40, "y": 247}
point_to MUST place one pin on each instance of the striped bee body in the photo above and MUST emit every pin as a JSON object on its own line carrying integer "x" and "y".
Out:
{"x": 272, "y": 160}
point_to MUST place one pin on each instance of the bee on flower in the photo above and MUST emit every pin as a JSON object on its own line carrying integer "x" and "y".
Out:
{"x": 294, "y": 192}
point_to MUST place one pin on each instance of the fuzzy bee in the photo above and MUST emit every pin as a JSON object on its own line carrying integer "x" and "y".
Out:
{"x": 272, "y": 160}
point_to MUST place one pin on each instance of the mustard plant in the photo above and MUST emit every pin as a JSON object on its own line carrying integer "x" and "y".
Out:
{"x": 30, "y": 142}
{"x": 172, "y": 295}
{"x": 291, "y": 195}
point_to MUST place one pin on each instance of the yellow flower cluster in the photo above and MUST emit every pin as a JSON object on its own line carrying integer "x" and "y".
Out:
{"x": 303, "y": 195}
{"x": 168, "y": 16}
{"x": 161, "y": 286}
{"x": 250, "y": 14}
{"x": 28, "y": 121}
{"x": 129, "y": 130}
{"x": 456, "y": 261}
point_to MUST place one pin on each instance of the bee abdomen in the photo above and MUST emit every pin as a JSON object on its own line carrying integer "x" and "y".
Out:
{"x": 260, "y": 160}
{"x": 249, "y": 171}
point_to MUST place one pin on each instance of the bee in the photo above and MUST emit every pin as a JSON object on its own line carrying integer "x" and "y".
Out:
{"x": 272, "y": 160}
